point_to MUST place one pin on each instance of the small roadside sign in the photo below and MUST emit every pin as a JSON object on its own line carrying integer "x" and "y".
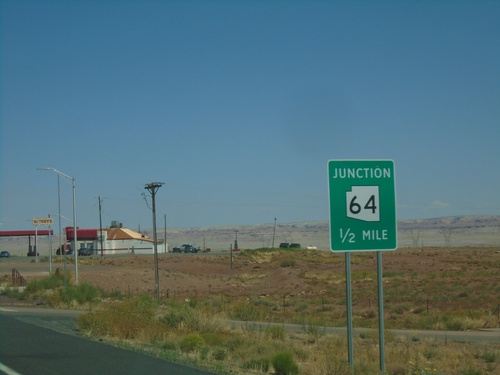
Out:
{"x": 362, "y": 198}
{"x": 42, "y": 221}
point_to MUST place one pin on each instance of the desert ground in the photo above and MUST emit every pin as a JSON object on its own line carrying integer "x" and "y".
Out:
{"x": 445, "y": 264}
{"x": 437, "y": 278}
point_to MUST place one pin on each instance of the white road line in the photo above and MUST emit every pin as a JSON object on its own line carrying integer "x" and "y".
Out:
{"x": 7, "y": 310}
{"x": 8, "y": 370}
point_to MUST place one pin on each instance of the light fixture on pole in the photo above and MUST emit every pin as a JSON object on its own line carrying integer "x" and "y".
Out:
{"x": 75, "y": 236}
{"x": 153, "y": 188}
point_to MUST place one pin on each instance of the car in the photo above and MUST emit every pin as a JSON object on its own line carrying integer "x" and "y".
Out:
{"x": 284, "y": 245}
{"x": 176, "y": 250}
{"x": 188, "y": 248}
{"x": 295, "y": 246}
{"x": 85, "y": 252}
{"x": 4, "y": 254}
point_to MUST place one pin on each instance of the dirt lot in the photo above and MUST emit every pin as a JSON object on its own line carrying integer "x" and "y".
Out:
{"x": 431, "y": 273}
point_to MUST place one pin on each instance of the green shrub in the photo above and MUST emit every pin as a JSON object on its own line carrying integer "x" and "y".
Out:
{"x": 488, "y": 356}
{"x": 312, "y": 327}
{"x": 419, "y": 310}
{"x": 128, "y": 319}
{"x": 194, "y": 320}
{"x": 284, "y": 364}
{"x": 203, "y": 322}
{"x": 191, "y": 342}
{"x": 213, "y": 339}
{"x": 474, "y": 314}
{"x": 400, "y": 309}
{"x": 57, "y": 298}
{"x": 288, "y": 262}
{"x": 453, "y": 324}
{"x": 234, "y": 343}
{"x": 276, "y": 332}
{"x": 53, "y": 281}
{"x": 220, "y": 355}
{"x": 114, "y": 295}
{"x": 141, "y": 306}
{"x": 13, "y": 293}
{"x": 245, "y": 312}
{"x": 369, "y": 314}
{"x": 430, "y": 353}
{"x": 304, "y": 307}
{"x": 52, "y": 289}
{"x": 264, "y": 303}
{"x": 204, "y": 351}
{"x": 258, "y": 364}
{"x": 170, "y": 346}
{"x": 86, "y": 293}
{"x": 175, "y": 318}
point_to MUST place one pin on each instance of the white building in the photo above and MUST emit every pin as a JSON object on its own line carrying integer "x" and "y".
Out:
{"x": 115, "y": 241}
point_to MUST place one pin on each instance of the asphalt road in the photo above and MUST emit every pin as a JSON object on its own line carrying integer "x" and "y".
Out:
{"x": 43, "y": 343}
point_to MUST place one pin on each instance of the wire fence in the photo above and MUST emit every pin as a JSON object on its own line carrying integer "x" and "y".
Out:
{"x": 17, "y": 278}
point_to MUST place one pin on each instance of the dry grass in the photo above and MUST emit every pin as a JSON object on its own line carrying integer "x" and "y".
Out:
{"x": 430, "y": 288}
{"x": 192, "y": 333}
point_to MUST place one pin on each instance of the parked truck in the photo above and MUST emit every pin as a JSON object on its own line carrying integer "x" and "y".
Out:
{"x": 188, "y": 248}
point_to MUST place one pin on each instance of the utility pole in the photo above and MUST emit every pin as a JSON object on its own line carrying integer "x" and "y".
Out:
{"x": 274, "y": 231}
{"x": 153, "y": 188}
{"x": 100, "y": 227}
{"x": 231, "y": 257}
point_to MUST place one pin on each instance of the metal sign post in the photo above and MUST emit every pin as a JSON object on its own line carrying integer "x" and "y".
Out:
{"x": 350, "y": 351}
{"x": 362, "y": 197}
{"x": 48, "y": 222}
{"x": 380, "y": 288}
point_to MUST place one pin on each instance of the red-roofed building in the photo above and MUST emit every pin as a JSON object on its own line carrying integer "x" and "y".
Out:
{"x": 115, "y": 241}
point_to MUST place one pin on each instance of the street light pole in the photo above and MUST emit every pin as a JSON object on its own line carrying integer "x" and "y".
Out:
{"x": 62, "y": 251}
{"x": 274, "y": 231}
{"x": 75, "y": 236}
{"x": 153, "y": 188}
{"x": 50, "y": 249}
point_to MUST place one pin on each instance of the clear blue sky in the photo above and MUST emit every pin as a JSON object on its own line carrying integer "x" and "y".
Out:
{"x": 237, "y": 106}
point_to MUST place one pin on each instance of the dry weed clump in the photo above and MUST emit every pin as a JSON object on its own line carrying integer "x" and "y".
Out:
{"x": 132, "y": 319}
{"x": 190, "y": 332}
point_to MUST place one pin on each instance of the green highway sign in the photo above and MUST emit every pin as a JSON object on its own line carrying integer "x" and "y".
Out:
{"x": 362, "y": 205}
